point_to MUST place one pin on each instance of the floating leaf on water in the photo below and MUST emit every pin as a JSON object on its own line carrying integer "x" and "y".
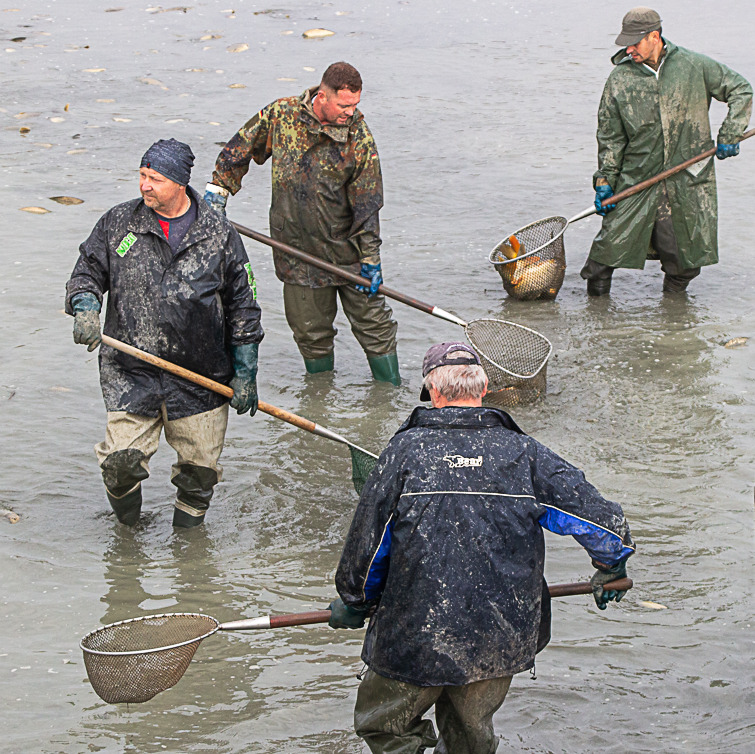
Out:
{"x": 175, "y": 120}
{"x": 35, "y": 210}
{"x": 57, "y": 119}
{"x": 736, "y": 342}
{"x": 112, "y": 10}
{"x": 24, "y": 129}
{"x": 67, "y": 199}
{"x": 152, "y": 82}
{"x": 237, "y": 86}
{"x": 93, "y": 70}
{"x": 213, "y": 123}
{"x": 122, "y": 120}
{"x": 18, "y": 39}
{"x": 317, "y": 33}
{"x": 65, "y": 109}
{"x": 240, "y": 47}
{"x": 207, "y": 37}
{"x": 76, "y": 151}
{"x": 653, "y": 605}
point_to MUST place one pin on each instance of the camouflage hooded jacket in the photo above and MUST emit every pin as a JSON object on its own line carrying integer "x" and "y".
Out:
{"x": 649, "y": 121}
{"x": 447, "y": 539}
{"x": 188, "y": 308}
{"x": 326, "y": 181}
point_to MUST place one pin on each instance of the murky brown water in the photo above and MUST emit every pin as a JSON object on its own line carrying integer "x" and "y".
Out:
{"x": 484, "y": 115}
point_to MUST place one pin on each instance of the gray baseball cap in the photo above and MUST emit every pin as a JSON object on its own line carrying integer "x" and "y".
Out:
{"x": 437, "y": 356}
{"x": 636, "y": 24}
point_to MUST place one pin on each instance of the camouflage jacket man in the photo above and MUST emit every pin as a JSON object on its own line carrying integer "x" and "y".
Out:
{"x": 188, "y": 308}
{"x": 326, "y": 181}
{"x": 447, "y": 539}
{"x": 649, "y": 121}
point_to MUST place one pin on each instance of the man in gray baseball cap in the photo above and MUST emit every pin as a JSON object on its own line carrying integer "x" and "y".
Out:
{"x": 654, "y": 115}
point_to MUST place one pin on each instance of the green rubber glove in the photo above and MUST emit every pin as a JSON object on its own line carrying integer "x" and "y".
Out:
{"x": 603, "y": 575}
{"x": 345, "y": 616}
{"x": 86, "y": 322}
{"x": 244, "y": 382}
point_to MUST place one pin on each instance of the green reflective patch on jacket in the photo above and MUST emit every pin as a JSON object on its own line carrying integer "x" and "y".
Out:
{"x": 252, "y": 280}
{"x": 126, "y": 243}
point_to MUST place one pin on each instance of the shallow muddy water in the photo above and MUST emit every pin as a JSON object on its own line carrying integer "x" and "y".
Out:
{"x": 484, "y": 115}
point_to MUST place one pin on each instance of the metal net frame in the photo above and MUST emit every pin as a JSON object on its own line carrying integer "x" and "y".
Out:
{"x": 539, "y": 272}
{"x": 514, "y": 358}
{"x": 133, "y": 660}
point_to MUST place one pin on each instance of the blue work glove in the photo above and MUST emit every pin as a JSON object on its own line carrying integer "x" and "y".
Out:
{"x": 345, "y": 616}
{"x": 244, "y": 382}
{"x": 216, "y": 197}
{"x": 602, "y": 193}
{"x": 86, "y": 322}
{"x": 603, "y": 575}
{"x": 727, "y": 150}
{"x": 375, "y": 274}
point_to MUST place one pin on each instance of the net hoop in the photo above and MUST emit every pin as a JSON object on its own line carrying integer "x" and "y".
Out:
{"x": 495, "y": 258}
{"x": 538, "y": 336}
{"x": 83, "y": 644}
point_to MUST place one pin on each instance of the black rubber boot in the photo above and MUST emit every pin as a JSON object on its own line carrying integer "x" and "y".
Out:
{"x": 127, "y": 507}
{"x": 598, "y": 287}
{"x": 385, "y": 368}
{"x": 323, "y": 364}
{"x": 675, "y": 284}
{"x": 195, "y": 485}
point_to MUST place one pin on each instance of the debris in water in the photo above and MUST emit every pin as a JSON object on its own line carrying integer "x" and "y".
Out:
{"x": 308, "y": 68}
{"x": 93, "y": 70}
{"x": 194, "y": 70}
{"x": 68, "y": 199}
{"x": 105, "y": 100}
{"x": 60, "y": 389}
{"x": 736, "y": 342}
{"x": 153, "y": 82}
{"x": 287, "y": 32}
{"x": 240, "y": 47}
{"x": 35, "y": 210}
{"x": 24, "y": 130}
{"x": 57, "y": 119}
{"x": 653, "y": 605}
{"x": 175, "y": 120}
{"x": 286, "y": 78}
{"x": 76, "y": 151}
{"x": 65, "y": 109}
{"x": 10, "y": 515}
{"x": 213, "y": 122}
{"x": 317, "y": 33}
{"x": 42, "y": 144}
{"x": 237, "y": 86}
{"x": 122, "y": 120}
{"x": 18, "y": 39}
{"x": 112, "y": 10}
{"x": 208, "y": 37}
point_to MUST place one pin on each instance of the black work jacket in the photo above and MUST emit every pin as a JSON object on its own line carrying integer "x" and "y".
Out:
{"x": 188, "y": 308}
{"x": 447, "y": 540}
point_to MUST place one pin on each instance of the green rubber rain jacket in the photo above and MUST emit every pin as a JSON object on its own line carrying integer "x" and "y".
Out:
{"x": 649, "y": 121}
{"x": 327, "y": 186}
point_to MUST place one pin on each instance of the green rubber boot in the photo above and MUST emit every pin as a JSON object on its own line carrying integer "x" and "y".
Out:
{"x": 323, "y": 364}
{"x": 385, "y": 368}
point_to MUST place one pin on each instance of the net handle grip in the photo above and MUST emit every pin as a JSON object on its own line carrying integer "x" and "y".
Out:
{"x": 642, "y": 185}
{"x": 345, "y": 274}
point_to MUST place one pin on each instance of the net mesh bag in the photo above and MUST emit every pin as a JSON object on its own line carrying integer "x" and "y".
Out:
{"x": 361, "y": 466}
{"x": 514, "y": 358}
{"x": 133, "y": 660}
{"x": 538, "y": 269}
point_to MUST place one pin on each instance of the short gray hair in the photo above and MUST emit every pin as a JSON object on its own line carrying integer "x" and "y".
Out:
{"x": 457, "y": 380}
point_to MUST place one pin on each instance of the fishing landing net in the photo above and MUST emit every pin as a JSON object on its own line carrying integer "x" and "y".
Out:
{"x": 362, "y": 463}
{"x": 531, "y": 261}
{"x": 514, "y": 358}
{"x": 133, "y": 660}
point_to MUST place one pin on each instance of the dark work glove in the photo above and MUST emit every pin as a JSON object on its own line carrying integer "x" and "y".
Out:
{"x": 603, "y": 575}
{"x": 345, "y": 616}
{"x": 86, "y": 322}
{"x": 727, "y": 150}
{"x": 216, "y": 197}
{"x": 602, "y": 193}
{"x": 244, "y": 382}
{"x": 374, "y": 273}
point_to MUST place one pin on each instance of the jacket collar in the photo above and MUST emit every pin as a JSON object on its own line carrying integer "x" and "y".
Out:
{"x": 621, "y": 57}
{"x": 460, "y": 417}
{"x": 337, "y": 133}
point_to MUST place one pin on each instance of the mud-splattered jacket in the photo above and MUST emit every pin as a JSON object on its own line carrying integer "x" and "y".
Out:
{"x": 447, "y": 539}
{"x": 189, "y": 308}
{"x": 327, "y": 186}
{"x": 649, "y": 121}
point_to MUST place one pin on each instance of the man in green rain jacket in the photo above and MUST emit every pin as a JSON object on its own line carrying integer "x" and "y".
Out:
{"x": 654, "y": 115}
{"x": 327, "y": 193}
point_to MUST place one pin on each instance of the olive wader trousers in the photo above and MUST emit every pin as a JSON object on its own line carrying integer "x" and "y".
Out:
{"x": 663, "y": 241}
{"x": 131, "y": 440}
{"x": 310, "y": 313}
{"x": 388, "y": 716}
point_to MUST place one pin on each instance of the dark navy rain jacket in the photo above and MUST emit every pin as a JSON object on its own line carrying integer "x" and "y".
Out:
{"x": 447, "y": 539}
